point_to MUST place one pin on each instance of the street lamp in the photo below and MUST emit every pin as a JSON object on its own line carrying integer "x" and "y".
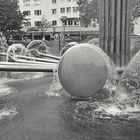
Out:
{"x": 63, "y": 22}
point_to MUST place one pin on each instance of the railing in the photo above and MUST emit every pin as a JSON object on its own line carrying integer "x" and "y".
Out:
{"x": 10, "y": 66}
{"x": 70, "y": 29}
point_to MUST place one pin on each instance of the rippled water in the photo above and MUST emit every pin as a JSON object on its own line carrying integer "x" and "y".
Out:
{"x": 7, "y": 110}
{"x": 103, "y": 117}
{"x": 113, "y": 114}
{"x": 53, "y": 114}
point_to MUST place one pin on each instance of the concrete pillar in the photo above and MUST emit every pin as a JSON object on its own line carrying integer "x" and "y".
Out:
{"x": 115, "y": 29}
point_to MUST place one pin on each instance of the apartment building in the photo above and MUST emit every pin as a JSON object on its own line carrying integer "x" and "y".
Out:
{"x": 61, "y": 13}
{"x": 53, "y": 10}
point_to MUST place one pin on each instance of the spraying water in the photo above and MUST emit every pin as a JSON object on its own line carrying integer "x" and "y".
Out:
{"x": 103, "y": 117}
{"x": 113, "y": 101}
{"x": 55, "y": 86}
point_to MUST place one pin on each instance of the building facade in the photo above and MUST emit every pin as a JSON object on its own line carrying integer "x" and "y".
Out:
{"x": 53, "y": 10}
{"x": 63, "y": 15}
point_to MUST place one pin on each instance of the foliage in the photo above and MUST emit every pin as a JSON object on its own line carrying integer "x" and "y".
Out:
{"x": 135, "y": 9}
{"x": 10, "y": 16}
{"x": 89, "y": 9}
{"x": 45, "y": 25}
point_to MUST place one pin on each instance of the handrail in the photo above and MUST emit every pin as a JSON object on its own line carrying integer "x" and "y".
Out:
{"x": 26, "y": 64}
{"x": 48, "y": 55}
{"x": 2, "y": 54}
{"x": 30, "y": 62}
{"x": 9, "y": 66}
{"x": 37, "y": 59}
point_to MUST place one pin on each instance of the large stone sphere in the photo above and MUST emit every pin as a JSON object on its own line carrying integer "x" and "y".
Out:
{"x": 82, "y": 70}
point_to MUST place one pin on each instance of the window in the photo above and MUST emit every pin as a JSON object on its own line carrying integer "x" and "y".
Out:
{"x": 53, "y": 11}
{"x": 26, "y": 3}
{"x": 70, "y": 22}
{"x": 75, "y": 22}
{"x": 132, "y": 28}
{"x": 62, "y": 10}
{"x": 38, "y": 23}
{"x": 37, "y": 12}
{"x": 37, "y": 2}
{"x": 68, "y": 9}
{"x": 74, "y": 9}
{"x": 53, "y": 1}
{"x": 27, "y": 13}
{"x": 54, "y": 23}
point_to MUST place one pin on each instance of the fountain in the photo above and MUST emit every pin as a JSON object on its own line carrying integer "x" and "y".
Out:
{"x": 128, "y": 89}
{"x": 84, "y": 70}
{"x": 90, "y": 118}
{"x": 122, "y": 100}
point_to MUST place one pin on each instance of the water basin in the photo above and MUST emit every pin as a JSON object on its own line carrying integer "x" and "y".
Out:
{"x": 37, "y": 114}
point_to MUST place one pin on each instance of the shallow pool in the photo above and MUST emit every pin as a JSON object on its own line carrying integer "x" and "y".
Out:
{"x": 30, "y": 112}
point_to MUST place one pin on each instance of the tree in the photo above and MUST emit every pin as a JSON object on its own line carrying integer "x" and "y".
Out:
{"x": 135, "y": 9}
{"x": 10, "y": 17}
{"x": 45, "y": 25}
{"x": 89, "y": 9}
